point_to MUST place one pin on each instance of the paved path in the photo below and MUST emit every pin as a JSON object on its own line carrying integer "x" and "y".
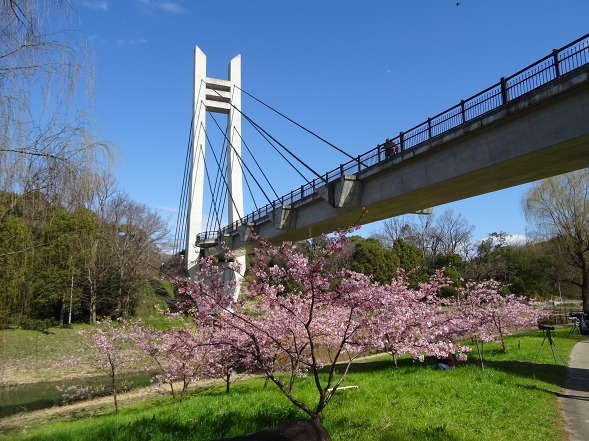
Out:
{"x": 574, "y": 398}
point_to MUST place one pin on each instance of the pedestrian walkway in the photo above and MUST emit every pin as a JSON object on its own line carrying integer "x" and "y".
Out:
{"x": 574, "y": 398}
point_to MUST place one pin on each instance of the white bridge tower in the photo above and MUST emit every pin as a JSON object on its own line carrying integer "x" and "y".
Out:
{"x": 218, "y": 96}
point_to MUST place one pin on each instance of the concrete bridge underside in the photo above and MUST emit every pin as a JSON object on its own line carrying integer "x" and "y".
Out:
{"x": 541, "y": 134}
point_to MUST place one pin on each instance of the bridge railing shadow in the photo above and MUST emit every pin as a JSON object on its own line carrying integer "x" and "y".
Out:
{"x": 559, "y": 62}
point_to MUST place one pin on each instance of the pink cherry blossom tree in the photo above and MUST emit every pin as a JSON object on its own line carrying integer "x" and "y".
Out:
{"x": 512, "y": 313}
{"x": 486, "y": 315}
{"x": 416, "y": 322}
{"x": 112, "y": 352}
{"x": 184, "y": 353}
{"x": 175, "y": 352}
{"x": 295, "y": 316}
{"x": 302, "y": 315}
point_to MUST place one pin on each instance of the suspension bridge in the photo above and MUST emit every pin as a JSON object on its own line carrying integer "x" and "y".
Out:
{"x": 531, "y": 125}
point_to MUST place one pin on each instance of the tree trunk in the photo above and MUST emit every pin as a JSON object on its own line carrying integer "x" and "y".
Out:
{"x": 394, "y": 354}
{"x": 62, "y": 311}
{"x": 585, "y": 290}
{"x": 113, "y": 377}
{"x": 92, "y": 299}
{"x": 480, "y": 352}
{"x": 123, "y": 296}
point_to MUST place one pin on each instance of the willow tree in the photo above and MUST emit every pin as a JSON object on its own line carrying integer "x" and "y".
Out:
{"x": 48, "y": 142}
{"x": 559, "y": 209}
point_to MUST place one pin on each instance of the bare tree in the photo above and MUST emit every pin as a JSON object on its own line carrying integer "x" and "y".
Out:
{"x": 455, "y": 233}
{"x": 98, "y": 261}
{"x": 448, "y": 233}
{"x": 559, "y": 209}
{"x": 45, "y": 145}
{"x": 134, "y": 235}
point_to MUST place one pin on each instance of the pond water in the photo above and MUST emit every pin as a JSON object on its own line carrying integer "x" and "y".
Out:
{"x": 26, "y": 397}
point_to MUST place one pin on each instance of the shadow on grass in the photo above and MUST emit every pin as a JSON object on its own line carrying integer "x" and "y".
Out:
{"x": 559, "y": 394}
{"x": 218, "y": 424}
{"x": 546, "y": 372}
{"x": 549, "y": 373}
{"x": 381, "y": 363}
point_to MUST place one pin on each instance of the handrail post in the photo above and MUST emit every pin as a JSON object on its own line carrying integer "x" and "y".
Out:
{"x": 429, "y": 128}
{"x": 358, "y": 163}
{"x": 401, "y": 142}
{"x": 504, "y": 91}
{"x": 556, "y": 63}
{"x": 462, "y": 111}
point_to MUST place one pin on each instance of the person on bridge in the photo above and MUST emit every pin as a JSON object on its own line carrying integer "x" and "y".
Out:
{"x": 390, "y": 148}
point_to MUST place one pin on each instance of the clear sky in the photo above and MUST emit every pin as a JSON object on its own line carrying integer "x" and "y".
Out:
{"x": 354, "y": 72}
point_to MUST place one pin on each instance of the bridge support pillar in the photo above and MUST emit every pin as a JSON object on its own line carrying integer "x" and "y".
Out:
{"x": 284, "y": 217}
{"x": 345, "y": 192}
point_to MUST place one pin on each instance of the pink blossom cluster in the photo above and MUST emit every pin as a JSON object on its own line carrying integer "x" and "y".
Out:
{"x": 299, "y": 315}
{"x": 482, "y": 313}
{"x": 304, "y": 318}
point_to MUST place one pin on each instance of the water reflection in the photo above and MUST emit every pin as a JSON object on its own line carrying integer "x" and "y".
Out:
{"x": 16, "y": 398}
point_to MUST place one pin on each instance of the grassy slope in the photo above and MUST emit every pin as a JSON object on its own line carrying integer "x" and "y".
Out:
{"x": 513, "y": 398}
{"x": 31, "y": 356}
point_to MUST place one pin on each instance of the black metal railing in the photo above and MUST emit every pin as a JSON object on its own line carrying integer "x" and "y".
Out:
{"x": 561, "y": 61}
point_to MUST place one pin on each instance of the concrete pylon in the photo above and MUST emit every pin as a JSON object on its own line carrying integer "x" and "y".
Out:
{"x": 217, "y": 96}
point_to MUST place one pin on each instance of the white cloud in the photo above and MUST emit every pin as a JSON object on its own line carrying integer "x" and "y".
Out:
{"x": 517, "y": 239}
{"x": 165, "y": 208}
{"x": 171, "y": 7}
{"x": 510, "y": 239}
{"x": 121, "y": 42}
{"x": 97, "y": 5}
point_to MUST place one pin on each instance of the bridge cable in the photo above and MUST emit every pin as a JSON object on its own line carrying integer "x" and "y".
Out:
{"x": 261, "y": 171}
{"x": 241, "y": 161}
{"x": 181, "y": 219}
{"x": 282, "y": 155}
{"x": 299, "y": 125}
{"x": 224, "y": 175}
{"x": 221, "y": 186}
{"x": 274, "y": 147}
{"x": 217, "y": 193}
{"x": 284, "y": 147}
{"x": 180, "y": 226}
{"x": 214, "y": 205}
{"x": 258, "y": 127}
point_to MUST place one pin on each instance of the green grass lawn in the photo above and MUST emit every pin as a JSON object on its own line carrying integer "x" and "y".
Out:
{"x": 35, "y": 355}
{"x": 513, "y": 398}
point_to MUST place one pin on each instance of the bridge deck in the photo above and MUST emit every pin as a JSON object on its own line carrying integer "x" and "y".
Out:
{"x": 539, "y": 131}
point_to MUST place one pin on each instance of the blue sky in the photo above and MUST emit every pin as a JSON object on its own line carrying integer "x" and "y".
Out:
{"x": 353, "y": 72}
